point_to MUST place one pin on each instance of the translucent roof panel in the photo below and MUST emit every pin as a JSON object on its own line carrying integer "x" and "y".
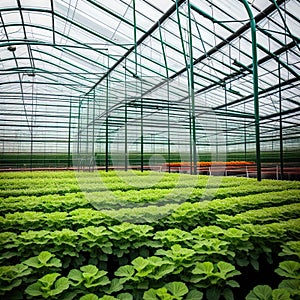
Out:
{"x": 66, "y": 54}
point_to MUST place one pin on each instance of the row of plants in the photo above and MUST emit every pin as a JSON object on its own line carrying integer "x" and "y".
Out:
{"x": 116, "y": 181}
{"x": 152, "y": 195}
{"x": 268, "y": 206}
{"x": 137, "y": 239}
{"x": 138, "y": 260}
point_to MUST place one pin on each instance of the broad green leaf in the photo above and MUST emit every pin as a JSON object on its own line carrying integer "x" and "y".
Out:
{"x": 34, "y": 289}
{"x": 213, "y": 293}
{"x": 232, "y": 283}
{"x": 260, "y": 292}
{"x": 290, "y": 269}
{"x": 76, "y": 276}
{"x": 89, "y": 269}
{"x": 163, "y": 294}
{"x": 125, "y": 296}
{"x": 44, "y": 256}
{"x": 203, "y": 268}
{"x": 177, "y": 288}
{"x": 228, "y": 294}
{"x": 291, "y": 285}
{"x": 150, "y": 295}
{"x": 48, "y": 279}
{"x": 194, "y": 295}
{"x": 162, "y": 271}
{"x": 281, "y": 294}
{"x": 225, "y": 267}
{"x": 125, "y": 271}
{"x": 33, "y": 262}
{"x": 103, "y": 280}
{"x": 291, "y": 248}
{"x": 156, "y": 261}
{"x": 140, "y": 263}
{"x": 60, "y": 285}
{"x": 89, "y": 297}
{"x": 44, "y": 259}
{"x": 115, "y": 286}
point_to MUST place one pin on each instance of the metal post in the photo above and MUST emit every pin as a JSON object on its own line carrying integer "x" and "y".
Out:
{"x": 245, "y": 139}
{"x": 78, "y": 136}
{"x": 280, "y": 127}
{"x": 192, "y": 92}
{"x": 189, "y": 95}
{"x": 87, "y": 134}
{"x": 168, "y": 97}
{"x": 106, "y": 122}
{"x": 255, "y": 87}
{"x": 226, "y": 129}
{"x": 169, "y": 144}
{"x": 126, "y": 120}
{"x": 142, "y": 138}
{"x": 93, "y": 133}
{"x": 69, "y": 137}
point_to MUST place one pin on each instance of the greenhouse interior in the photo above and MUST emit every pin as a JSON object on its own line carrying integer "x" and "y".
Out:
{"x": 141, "y": 83}
{"x": 150, "y": 149}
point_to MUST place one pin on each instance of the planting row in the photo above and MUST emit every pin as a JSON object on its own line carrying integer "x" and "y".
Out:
{"x": 135, "y": 260}
{"x": 265, "y": 207}
{"x": 133, "y": 198}
{"x": 100, "y": 181}
{"x": 131, "y": 238}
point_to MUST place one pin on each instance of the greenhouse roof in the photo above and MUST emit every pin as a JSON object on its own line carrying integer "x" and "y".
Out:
{"x": 61, "y": 53}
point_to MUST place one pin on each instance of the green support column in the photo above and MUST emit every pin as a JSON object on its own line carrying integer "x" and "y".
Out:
{"x": 78, "y": 135}
{"x": 280, "y": 127}
{"x": 93, "y": 133}
{"x": 192, "y": 93}
{"x": 126, "y": 120}
{"x": 142, "y": 138}
{"x": 106, "y": 122}
{"x": 255, "y": 87}
{"x": 189, "y": 95}
{"x": 169, "y": 133}
{"x": 87, "y": 133}
{"x": 168, "y": 97}
{"x": 141, "y": 100}
{"x": 69, "y": 137}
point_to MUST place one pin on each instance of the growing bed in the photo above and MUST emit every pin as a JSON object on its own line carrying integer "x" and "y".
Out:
{"x": 168, "y": 236}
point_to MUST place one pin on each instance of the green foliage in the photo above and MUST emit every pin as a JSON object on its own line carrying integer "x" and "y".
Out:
{"x": 265, "y": 292}
{"x": 12, "y": 276}
{"x": 44, "y": 259}
{"x": 49, "y": 286}
{"x": 170, "y": 291}
{"x": 290, "y": 269}
{"x": 88, "y": 276}
{"x": 188, "y": 249}
{"x": 291, "y": 248}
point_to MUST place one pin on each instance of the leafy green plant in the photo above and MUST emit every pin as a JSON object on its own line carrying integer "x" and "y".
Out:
{"x": 88, "y": 277}
{"x": 291, "y": 248}
{"x": 290, "y": 270}
{"x": 44, "y": 259}
{"x": 11, "y": 277}
{"x": 170, "y": 291}
{"x": 49, "y": 286}
{"x": 265, "y": 292}
{"x": 215, "y": 278}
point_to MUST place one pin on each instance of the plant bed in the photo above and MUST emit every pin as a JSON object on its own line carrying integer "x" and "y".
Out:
{"x": 60, "y": 247}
